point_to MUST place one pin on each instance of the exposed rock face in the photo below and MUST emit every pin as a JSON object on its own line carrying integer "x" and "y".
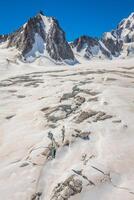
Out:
{"x": 56, "y": 45}
{"x": 71, "y": 187}
{"x": 41, "y": 35}
{"x": 113, "y": 44}
{"x": 85, "y": 115}
{"x": 24, "y": 38}
{"x": 120, "y": 41}
{"x": 125, "y": 29}
{"x": 90, "y": 47}
{"x": 59, "y": 113}
{"x": 81, "y": 134}
{"x": 79, "y": 100}
{"x": 36, "y": 196}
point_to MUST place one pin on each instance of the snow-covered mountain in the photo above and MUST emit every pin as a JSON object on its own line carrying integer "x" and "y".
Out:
{"x": 89, "y": 48}
{"x": 41, "y": 36}
{"x": 112, "y": 43}
{"x": 117, "y": 43}
{"x": 121, "y": 40}
{"x": 125, "y": 29}
{"x": 66, "y": 133}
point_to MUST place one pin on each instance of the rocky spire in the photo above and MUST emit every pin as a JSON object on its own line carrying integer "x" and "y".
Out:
{"x": 41, "y": 36}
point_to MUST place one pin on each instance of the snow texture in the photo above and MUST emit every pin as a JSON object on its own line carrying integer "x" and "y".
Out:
{"x": 89, "y": 109}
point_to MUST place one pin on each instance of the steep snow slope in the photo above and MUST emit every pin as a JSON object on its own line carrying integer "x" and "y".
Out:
{"x": 89, "y": 109}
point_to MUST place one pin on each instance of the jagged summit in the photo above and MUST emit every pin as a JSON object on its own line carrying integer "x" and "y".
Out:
{"x": 90, "y": 47}
{"x": 121, "y": 40}
{"x": 117, "y": 43}
{"x": 112, "y": 43}
{"x": 127, "y": 22}
{"x": 41, "y": 36}
{"x": 125, "y": 29}
{"x": 41, "y": 12}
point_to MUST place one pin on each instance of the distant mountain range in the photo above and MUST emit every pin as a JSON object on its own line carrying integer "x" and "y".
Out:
{"x": 42, "y": 36}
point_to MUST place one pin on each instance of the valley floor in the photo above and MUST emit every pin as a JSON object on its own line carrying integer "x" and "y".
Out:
{"x": 89, "y": 109}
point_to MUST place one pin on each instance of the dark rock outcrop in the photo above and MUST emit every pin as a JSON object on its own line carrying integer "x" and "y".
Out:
{"x": 24, "y": 38}
{"x": 56, "y": 44}
{"x": 85, "y": 115}
{"x": 113, "y": 44}
{"x": 121, "y": 39}
{"x": 68, "y": 188}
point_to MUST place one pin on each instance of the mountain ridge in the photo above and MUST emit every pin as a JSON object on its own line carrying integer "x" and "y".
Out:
{"x": 43, "y": 36}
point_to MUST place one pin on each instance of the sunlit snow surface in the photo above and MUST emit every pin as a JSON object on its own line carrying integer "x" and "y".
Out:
{"x": 30, "y": 92}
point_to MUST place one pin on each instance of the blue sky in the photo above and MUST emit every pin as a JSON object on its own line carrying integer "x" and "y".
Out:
{"x": 77, "y": 17}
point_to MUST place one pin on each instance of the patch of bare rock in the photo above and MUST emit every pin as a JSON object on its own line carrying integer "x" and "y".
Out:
{"x": 66, "y": 189}
{"x": 97, "y": 116}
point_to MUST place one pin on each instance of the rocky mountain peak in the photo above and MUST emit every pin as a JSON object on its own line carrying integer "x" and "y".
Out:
{"x": 112, "y": 43}
{"x": 90, "y": 47}
{"x": 41, "y": 36}
{"x": 125, "y": 29}
{"x": 127, "y": 23}
{"x": 121, "y": 40}
{"x": 83, "y": 42}
{"x": 118, "y": 42}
